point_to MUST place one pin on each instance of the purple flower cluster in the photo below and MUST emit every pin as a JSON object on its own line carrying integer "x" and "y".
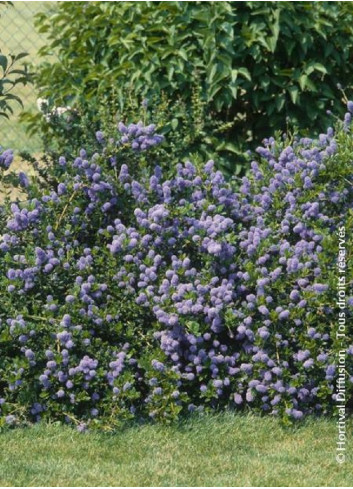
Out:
{"x": 139, "y": 136}
{"x": 6, "y": 158}
{"x": 24, "y": 217}
{"x": 125, "y": 296}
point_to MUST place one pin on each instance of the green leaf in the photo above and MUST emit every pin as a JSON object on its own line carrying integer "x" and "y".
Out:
{"x": 183, "y": 54}
{"x": 245, "y": 73}
{"x": 234, "y": 75}
{"x": 293, "y": 92}
{"x": 232, "y": 148}
{"x": 193, "y": 327}
{"x": 20, "y": 56}
{"x": 16, "y": 98}
{"x": 234, "y": 91}
{"x": 303, "y": 79}
{"x": 272, "y": 41}
{"x": 212, "y": 74}
{"x": 314, "y": 66}
{"x": 3, "y": 62}
{"x": 279, "y": 102}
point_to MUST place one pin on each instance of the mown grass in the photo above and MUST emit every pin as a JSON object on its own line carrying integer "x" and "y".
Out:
{"x": 223, "y": 450}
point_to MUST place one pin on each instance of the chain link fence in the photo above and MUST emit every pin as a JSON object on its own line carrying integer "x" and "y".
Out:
{"x": 18, "y": 34}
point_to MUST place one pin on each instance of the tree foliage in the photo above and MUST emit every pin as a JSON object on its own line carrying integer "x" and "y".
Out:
{"x": 258, "y": 63}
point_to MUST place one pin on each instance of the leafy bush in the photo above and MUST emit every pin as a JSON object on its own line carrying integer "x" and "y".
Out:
{"x": 127, "y": 294}
{"x": 189, "y": 129}
{"x": 11, "y": 76}
{"x": 258, "y": 63}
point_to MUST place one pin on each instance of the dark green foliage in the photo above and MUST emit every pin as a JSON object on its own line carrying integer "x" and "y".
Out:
{"x": 258, "y": 63}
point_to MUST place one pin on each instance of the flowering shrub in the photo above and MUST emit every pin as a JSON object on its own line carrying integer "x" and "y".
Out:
{"x": 126, "y": 294}
{"x": 189, "y": 129}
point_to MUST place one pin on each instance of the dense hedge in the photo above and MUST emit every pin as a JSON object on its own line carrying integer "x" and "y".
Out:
{"x": 258, "y": 63}
{"x": 127, "y": 294}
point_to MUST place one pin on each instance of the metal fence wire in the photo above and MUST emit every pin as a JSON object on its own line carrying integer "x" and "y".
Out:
{"x": 18, "y": 34}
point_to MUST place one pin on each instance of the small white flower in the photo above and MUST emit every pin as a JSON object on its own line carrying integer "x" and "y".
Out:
{"x": 42, "y": 104}
{"x": 60, "y": 110}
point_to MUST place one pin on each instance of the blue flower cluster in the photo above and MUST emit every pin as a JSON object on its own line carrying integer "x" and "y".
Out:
{"x": 139, "y": 136}
{"x": 143, "y": 296}
{"x": 6, "y": 158}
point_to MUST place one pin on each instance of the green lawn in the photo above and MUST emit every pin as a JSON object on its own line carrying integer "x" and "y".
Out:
{"x": 224, "y": 450}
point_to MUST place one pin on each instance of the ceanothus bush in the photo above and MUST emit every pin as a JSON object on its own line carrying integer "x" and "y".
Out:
{"x": 125, "y": 294}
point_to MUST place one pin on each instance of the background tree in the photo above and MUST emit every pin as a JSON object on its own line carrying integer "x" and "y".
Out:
{"x": 259, "y": 64}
